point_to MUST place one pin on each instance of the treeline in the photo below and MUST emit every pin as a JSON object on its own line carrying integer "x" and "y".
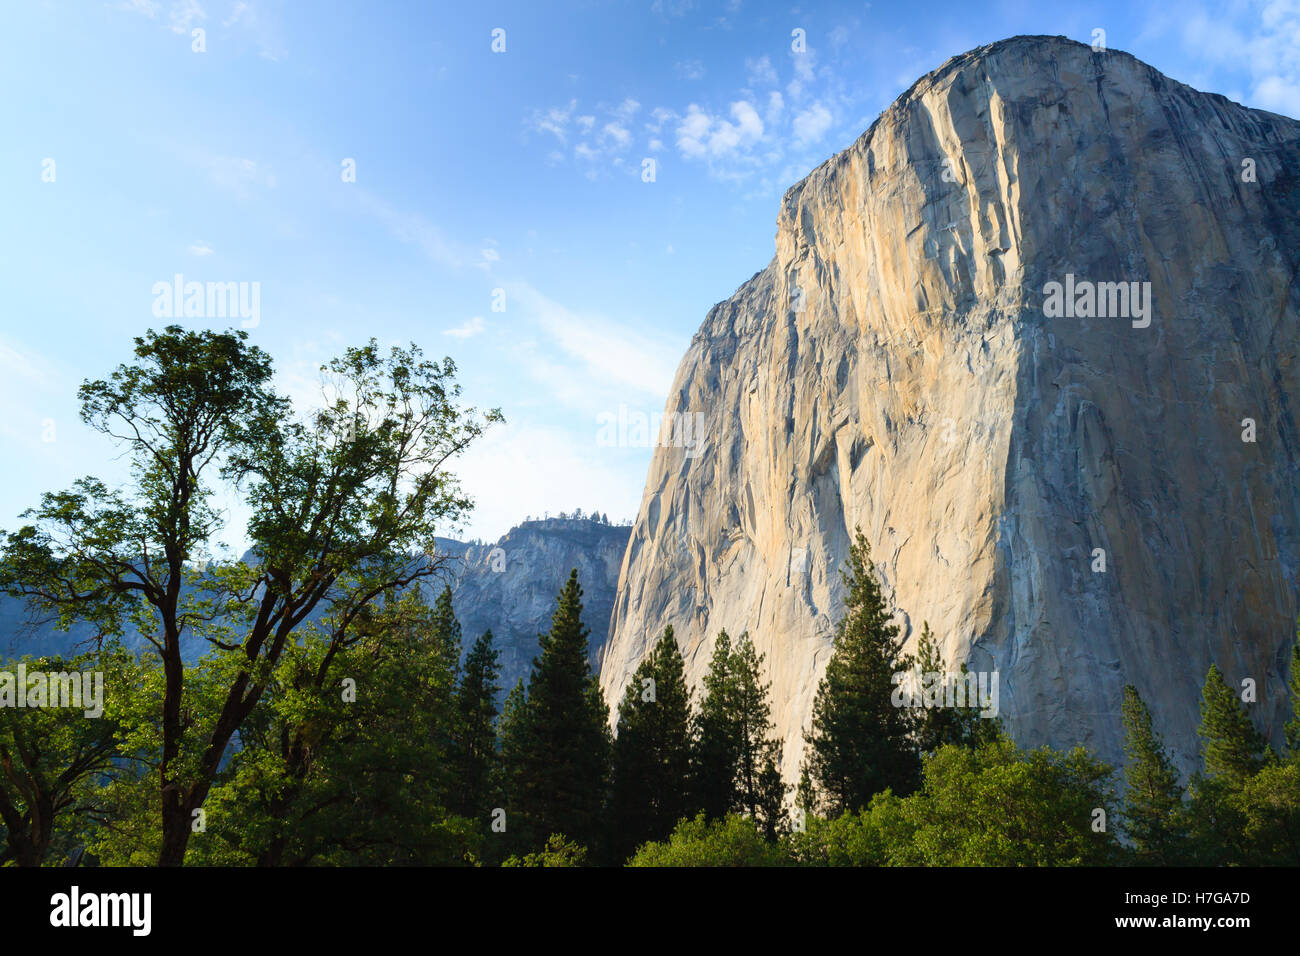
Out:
{"x": 336, "y": 717}
{"x": 401, "y": 756}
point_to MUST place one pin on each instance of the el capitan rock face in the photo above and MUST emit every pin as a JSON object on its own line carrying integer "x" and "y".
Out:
{"x": 893, "y": 368}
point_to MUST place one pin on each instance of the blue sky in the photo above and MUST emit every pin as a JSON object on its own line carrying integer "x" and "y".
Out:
{"x": 475, "y": 171}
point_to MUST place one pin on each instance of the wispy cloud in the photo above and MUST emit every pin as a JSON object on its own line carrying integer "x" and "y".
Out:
{"x": 470, "y": 329}
{"x": 246, "y": 18}
{"x": 1257, "y": 38}
{"x": 773, "y": 126}
{"x": 689, "y": 69}
{"x": 609, "y": 352}
{"x": 410, "y": 228}
{"x": 240, "y": 176}
{"x": 185, "y": 15}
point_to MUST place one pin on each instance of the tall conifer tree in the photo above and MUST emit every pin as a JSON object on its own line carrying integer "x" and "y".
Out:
{"x": 1233, "y": 749}
{"x": 652, "y": 752}
{"x": 859, "y": 743}
{"x": 475, "y": 750}
{"x": 737, "y": 757}
{"x": 560, "y": 736}
{"x": 1153, "y": 802}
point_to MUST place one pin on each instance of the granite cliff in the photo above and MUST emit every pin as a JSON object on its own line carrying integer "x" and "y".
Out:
{"x": 905, "y": 364}
{"x": 510, "y": 587}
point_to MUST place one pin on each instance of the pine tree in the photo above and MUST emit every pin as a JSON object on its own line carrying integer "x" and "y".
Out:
{"x": 938, "y": 723}
{"x": 859, "y": 743}
{"x": 737, "y": 760}
{"x": 1232, "y": 748}
{"x": 652, "y": 752}
{"x": 445, "y": 628}
{"x": 560, "y": 747}
{"x": 760, "y": 792}
{"x": 475, "y": 746}
{"x": 1153, "y": 803}
{"x": 714, "y": 756}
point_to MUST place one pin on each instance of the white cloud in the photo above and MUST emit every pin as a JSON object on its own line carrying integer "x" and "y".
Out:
{"x": 618, "y": 134}
{"x": 200, "y": 248}
{"x": 692, "y": 132}
{"x": 700, "y": 134}
{"x": 245, "y": 16}
{"x": 185, "y": 15}
{"x": 236, "y": 12}
{"x": 554, "y": 120}
{"x": 1278, "y": 94}
{"x": 1263, "y": 39}
{"x": 238, "y": 175}
{"x": 689, "y": 69}
{"x": 760, "y": 72}
{"x": 148, "y": 8}
{"x": 775, "y": 107}
{"x": 470, "y": 329}
{"x": 659, "y": 115}
{"x": 565, "y": 468}
{"x": 810, "y": 125}
{"x": 671, "y": 8}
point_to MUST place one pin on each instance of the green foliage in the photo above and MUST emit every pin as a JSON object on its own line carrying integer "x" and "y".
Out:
{"x": 999, "y": 806}
{"x": 736, "y": 758}
{"x": 1269, "y": 810}
{"x": 937, "y": 723}
{"x": 993, "y": 805}
{"x": 733, "y": 840}
{"x": 558, "y": 851}
{"x": 1232, "y": 748}
{"x": 474, "y": 747}
{"x": 859, "y": 743}
{"x": 344, "y": 503}
{"x": 879, "y": 835}
{"x": 53, "y": 759}
{"x": 650, "y": 769}
{"x": 348, "y": 764}
{"x": 1245, "y": 807}
{"x": 1154, "y": 815}
{"x": 557, "y": 740}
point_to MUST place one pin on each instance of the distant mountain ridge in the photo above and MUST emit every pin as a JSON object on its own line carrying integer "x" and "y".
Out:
{"x": 508, "y": 587}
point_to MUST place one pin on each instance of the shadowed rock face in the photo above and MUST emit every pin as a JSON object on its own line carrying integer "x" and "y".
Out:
{"x": 893, "y": 368}
{"x": 510, "y": 588}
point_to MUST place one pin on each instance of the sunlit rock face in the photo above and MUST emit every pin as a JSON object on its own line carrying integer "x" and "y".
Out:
{"x": 894, "y": 367}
